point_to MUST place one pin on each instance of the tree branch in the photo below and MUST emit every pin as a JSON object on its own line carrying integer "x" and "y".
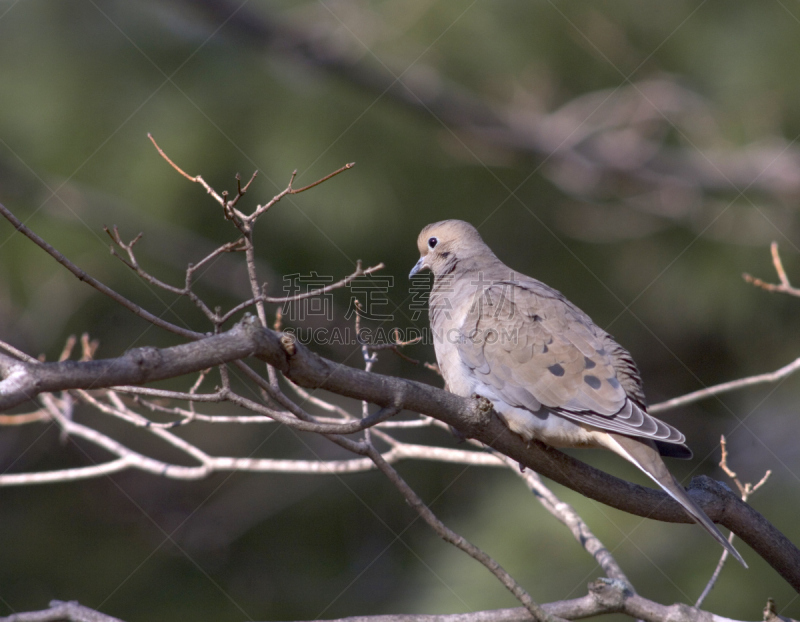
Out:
{"x": 59, "y": 611}
{"x": 605, "y": 596}
{"x": 22, "y": 381}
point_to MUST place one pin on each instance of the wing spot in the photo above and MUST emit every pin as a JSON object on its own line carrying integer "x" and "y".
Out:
{"x": 588, "y": 363}
{"x": 592, "y": 381}
{"x": 613, "y": 382}
{"x": 602, "y": 351}
{"x": 556, "y": 370}
{"x": 545, "y": 349}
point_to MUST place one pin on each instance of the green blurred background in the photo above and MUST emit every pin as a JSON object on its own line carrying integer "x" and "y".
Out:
{"x": 497, "y": 113}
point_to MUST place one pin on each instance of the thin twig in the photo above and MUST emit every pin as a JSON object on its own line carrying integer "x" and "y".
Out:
{"x": 88, "y": 347}
{"x": 733, "y": 385}
{"x": 359, "y": 271}
{"x": 198, "y": 179}
{"x": 349, "y": 427}
{"x": 221, "y": 319}
{"x": 25, "y": 418}
{"x": 784, "y": 287}
{"x": 745, "y": 490}
{"x": 344, "y": 168}
{"x": 394, "y": 346}
{"x": 83, "y": 276}
{"x": 434, "y": 367}
{"x": 69, "y": 345}
{"x": 130, "y": 459}
{"x": 261, "y": 209}
{"x": 567, "y": 515}
{"x": 448, "y": 535}
{"x": 318, "y": 402}
{"x": 17, "y": 354}
{"x": 186, "y": 290}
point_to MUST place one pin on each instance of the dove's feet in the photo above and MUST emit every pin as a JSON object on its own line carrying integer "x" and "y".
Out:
{"x": 484, "y": 405}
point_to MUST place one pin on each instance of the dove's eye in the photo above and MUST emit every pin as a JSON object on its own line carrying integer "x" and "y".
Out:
{"x": 433, "y": 242}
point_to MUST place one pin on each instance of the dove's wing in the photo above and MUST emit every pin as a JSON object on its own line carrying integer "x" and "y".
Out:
{"x": 536, "y": 349}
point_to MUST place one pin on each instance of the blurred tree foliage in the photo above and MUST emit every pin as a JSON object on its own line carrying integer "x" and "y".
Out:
{"x": 82, "y": 84}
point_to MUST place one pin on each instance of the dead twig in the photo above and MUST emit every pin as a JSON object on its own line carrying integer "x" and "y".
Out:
{"x": 724, "y": 387}
{"x": 358, "y": 272}
{"x": 103, "y": 289}
{"x": 745, "y": 490}
{"x": 448, "y": 535}
{"x": 784, "y": 287}
{"x": 290, "y": 190}
{"x": 227, "y": 206}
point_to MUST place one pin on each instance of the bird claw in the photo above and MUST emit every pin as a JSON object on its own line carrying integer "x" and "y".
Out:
{"x": 484, "y": 405}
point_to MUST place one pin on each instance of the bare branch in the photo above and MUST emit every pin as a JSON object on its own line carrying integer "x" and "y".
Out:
{"x": 319, "y": 403}
{"x": 38, "y": 415}
{"x": 88, "y": 347}
{"x": 186, "y": 290}
{"x": 261, "y": 209}
{"x": 745, "y": 490}
{"x": 565, "y": 513}
{"x": 66, "y": 352}
{"x": 350, "y": 427}
{"x": 359, "y": 271}
{"x": 59, "y": 611}
{"x": 733, "y": 385}
{"x": 226, "y": 205}
{"x": 344, "y": 168}
{"x": 23, "y": 381}
{"x": 17, "y": 354}
{"x": 83, "y": 276}
{"x": 129, "y": 459}
{"x": 448, "y": 535}
{"x": 605, "y": 596}
{"x": 784, "y": 287}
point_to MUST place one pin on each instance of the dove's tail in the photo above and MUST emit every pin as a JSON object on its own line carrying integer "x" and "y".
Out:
{"x": 645, "y": 456}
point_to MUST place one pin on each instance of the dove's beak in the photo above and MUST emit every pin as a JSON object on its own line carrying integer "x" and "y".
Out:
{"x": 417, "y": 267}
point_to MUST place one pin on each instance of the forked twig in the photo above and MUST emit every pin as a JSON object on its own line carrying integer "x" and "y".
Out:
{"x": 198, "y": 179}
{"x": 784, "y": 287}
{"x": 103, "y": 289}
{"x": 745, "y": 490}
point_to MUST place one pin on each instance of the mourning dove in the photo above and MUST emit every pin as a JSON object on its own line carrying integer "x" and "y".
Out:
{"x": 550, "y": 373}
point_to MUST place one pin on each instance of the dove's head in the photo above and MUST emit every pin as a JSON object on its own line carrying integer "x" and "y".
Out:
{"x": 444, "y": 245}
